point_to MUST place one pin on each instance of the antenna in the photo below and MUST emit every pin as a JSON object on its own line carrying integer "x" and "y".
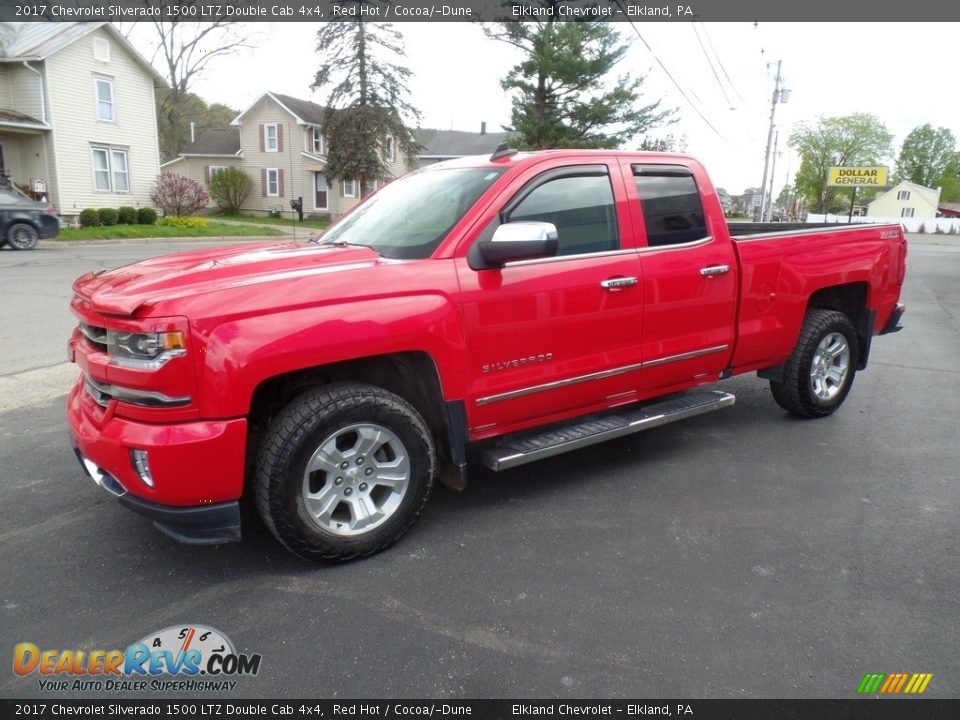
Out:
{"x": 502, "y": 151}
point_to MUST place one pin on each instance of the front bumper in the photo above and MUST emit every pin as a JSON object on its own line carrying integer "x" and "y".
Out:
{"x": 196, "y": 467}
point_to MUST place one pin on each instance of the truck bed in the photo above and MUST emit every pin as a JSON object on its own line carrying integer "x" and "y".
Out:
{"x": 781, "y": 269}
{"x": 748, "y": 229}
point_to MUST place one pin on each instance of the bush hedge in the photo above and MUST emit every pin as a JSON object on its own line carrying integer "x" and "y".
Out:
{"x": 108, "y": 216}
{"x": 89, "y": 217}
{"x": 127, "y": 215}
{"x": 184, "y": 221}
{"x": 146, "y": 216}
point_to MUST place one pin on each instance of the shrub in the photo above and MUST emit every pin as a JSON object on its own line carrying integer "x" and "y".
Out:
{"x": 178, "y": 195}
{"x": 108, "y": 216}
{"x": 184, "y": 221}
{"x": 127, "y": 215}
{"x": 89, "y": 218}
{"x": 146, "y": 216}
{"x": 229, "y": 189}
{"x": 923, "y": 229}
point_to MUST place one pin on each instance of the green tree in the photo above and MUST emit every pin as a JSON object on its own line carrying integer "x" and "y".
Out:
{"x": 182, "y": 51}
{"x": 564, "y": 94}
{"x": 668, "y": 143}
{"x": 229, "y": 188}
{"x": 858, "y": 139}
{"x": 950, "y": 185}
{"x": 368, "y": 98}
{"x": 927, "y": 155}
{"x": 190, "y": 108}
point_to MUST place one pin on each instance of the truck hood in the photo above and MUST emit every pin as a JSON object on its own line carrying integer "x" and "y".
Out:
{"x": 127, "y": 289}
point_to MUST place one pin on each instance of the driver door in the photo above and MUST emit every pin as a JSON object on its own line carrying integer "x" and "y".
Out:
{"x": 559, "y": 336}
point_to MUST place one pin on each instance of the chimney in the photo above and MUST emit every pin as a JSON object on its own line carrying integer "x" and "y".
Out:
{"x": 192, "y": 138}
{"x": 483, "y": 128}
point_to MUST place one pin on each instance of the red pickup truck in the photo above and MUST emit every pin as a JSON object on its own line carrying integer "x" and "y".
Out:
{"x": 490, "y": 309}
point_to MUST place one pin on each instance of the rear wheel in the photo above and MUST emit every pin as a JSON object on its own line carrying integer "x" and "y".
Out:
{"x": 344, "y": 471}
{"x": 819, "y": 373}
{"x": 22, "y": 236}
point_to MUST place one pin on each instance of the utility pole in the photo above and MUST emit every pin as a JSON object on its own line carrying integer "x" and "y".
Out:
{"x": 779, "y": 95}
{"x": 773, "y": 172}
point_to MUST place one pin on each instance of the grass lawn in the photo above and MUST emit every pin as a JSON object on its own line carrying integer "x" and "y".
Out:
{"x": 267, "y": 220}
{"x": 214, "y": 229}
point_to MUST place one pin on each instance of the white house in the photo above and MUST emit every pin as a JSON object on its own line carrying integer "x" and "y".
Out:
{"x": 77, "y": 115}
{"x": 906, "y": 200}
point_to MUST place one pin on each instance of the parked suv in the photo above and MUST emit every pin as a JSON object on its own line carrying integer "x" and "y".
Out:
{"x": 24, "y": 221}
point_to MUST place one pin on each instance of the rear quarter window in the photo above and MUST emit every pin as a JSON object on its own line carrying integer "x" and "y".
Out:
{"x": 672, "y": 211}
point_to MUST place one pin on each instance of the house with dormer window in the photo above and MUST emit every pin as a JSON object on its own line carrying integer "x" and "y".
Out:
{"x": 78, "y": 119}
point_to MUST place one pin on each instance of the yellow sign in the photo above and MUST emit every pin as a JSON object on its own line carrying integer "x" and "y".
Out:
{"x": 857, "y": 176}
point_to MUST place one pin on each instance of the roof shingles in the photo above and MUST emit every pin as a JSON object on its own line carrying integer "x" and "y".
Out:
{"x": 218, "y": 141}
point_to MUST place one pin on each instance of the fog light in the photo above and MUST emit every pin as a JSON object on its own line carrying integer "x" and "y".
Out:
{"x": 142, "y": 465}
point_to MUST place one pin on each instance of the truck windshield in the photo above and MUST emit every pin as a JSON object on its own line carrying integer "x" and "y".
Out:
{"x": 410, "y": 216}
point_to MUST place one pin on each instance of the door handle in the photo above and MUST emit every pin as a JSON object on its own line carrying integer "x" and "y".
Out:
{"x": 617, "y": 283}
{"x": 712, "y": 270}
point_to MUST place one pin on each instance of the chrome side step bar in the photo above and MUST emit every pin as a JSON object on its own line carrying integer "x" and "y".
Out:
{"x": 527, "y": 448}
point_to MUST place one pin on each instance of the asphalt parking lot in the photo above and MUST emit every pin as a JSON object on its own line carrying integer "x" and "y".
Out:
{"x": 739, "y": 554}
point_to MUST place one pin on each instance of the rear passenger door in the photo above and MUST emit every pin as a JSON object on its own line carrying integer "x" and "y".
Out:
{"x": 689, "y": 278}
{"x": 556, "y": 336}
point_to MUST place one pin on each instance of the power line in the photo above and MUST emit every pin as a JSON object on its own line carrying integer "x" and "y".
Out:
{"x": 710, "y": 63}
{"x": 720, "y": 63}
{"x": 675, "y": 83}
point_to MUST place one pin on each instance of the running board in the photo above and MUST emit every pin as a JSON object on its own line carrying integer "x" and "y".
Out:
{"x": 527, "y": 448}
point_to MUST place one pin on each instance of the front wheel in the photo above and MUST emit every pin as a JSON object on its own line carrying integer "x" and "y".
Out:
{"x": 819, "y": 373}
{"x": 344, "y": 471}
{"x": 22, "y": 236}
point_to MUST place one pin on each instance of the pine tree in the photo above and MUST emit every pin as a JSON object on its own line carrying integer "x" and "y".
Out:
{"x": 368, "y": 97}
{"x": 564, "y": 93}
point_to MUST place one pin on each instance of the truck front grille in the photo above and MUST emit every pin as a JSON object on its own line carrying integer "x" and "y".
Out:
{"x": 96, "y": 336}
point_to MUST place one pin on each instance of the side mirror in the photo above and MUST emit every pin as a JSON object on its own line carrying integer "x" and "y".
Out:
{"x": 519, "y": 241}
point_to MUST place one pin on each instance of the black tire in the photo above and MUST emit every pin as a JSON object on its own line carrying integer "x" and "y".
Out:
{"x": 22, "y": 236}
{"x": 797, "y": 392}
{"x": 330, "y": 417}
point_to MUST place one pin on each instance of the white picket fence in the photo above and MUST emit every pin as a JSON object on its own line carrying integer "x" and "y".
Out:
{"x": 910, "y": 225}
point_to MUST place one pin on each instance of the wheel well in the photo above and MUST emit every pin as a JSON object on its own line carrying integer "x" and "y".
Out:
{"x": 851, "y": 300}
{"x": 21, "y": 221}
{"x": 411, "y": 375}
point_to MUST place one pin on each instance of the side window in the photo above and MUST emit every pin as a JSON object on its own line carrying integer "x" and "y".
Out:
{"x": 672, "y": 211}
{"x": 581, "y": 207}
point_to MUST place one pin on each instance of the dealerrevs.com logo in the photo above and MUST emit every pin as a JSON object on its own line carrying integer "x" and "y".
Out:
{"x": 178, "y": 658}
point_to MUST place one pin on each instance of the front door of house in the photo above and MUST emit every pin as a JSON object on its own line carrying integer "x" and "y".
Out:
{"x": 320, "y": 192}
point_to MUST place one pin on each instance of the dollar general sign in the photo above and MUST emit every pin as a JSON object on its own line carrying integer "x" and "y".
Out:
{"x": 857, "y": 176}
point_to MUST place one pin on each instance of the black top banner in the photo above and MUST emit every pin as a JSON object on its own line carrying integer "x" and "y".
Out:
{"x": 475, "y": 10}
{"x": 871, "y": 708}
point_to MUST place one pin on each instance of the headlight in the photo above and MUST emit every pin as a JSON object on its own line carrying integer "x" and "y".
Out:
{"x": 144, "y": 350}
